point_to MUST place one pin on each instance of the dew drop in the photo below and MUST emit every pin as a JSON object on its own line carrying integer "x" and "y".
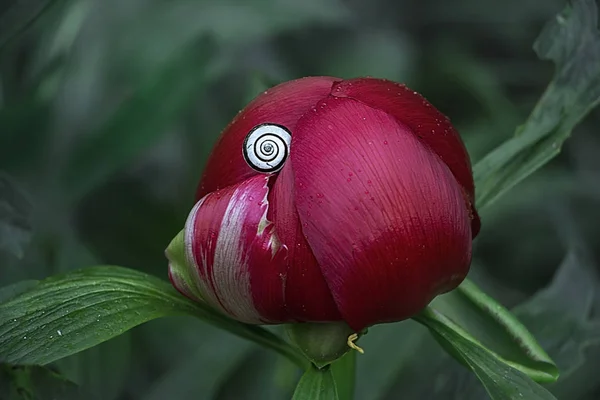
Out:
{"x": 349, "y": 180}
{"x": 385, "y": 142}
{"x": 59, "y": 332}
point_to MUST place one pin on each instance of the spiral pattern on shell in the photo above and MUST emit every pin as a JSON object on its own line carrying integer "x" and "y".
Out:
{"x": 266, "y": 148}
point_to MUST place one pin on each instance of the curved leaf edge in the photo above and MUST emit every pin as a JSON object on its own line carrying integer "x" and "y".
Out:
{"x": 429, "y": 314}
{"x": 178, "y": 305}
{"x": 515, "y": 329}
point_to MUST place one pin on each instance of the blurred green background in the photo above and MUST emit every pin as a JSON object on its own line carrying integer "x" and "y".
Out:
{"x": 109, "y": 109}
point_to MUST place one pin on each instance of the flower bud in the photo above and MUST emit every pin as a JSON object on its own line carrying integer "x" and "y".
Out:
{"x": 336, "y": 203}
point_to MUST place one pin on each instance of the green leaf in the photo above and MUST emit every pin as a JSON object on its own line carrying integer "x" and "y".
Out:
{"x": 140, "y": 121}
{"x": 15, "y": 217}
{"x": 68, "y": 313}
{"x": 482, "y": 320}
{"x": 501, "y": 381}
{"x": 572, "y": 42}
{"x": 316, "y": 384}
{"x": 561, "y": 317}
{"x": 344, "y": 374}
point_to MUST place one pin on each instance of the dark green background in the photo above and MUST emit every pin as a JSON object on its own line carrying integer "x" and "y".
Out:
{"x": 109, "y": 108}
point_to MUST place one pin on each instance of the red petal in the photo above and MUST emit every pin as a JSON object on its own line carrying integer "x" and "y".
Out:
{"x": 284, "y": 104}
{"x": 238, "y": 260}
{"x": 383, "y": 214}
{"x": 307, "y": 295}
{"x": 431, "y": 126}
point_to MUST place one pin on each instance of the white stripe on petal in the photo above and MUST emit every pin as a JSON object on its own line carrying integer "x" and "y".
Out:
{"x": 231, "y": 276}
{"x": 200, "y": 268}
{"x": 226, "y": 283}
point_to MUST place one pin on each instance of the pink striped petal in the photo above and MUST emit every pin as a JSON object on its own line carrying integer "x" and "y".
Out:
{"x": 384, "y": 215}
{"x": 238, "y": 263}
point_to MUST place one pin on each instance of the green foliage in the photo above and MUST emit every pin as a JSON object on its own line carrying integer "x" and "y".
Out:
{"x": 140, "y": 121}
{"x": 500, "y": 380}
{"x": 477, "y": 318}
{"x": 109, "y": 109}
{"x": 316, "y": 384}
{"x": 65, "y": 314}
{"x": 344, "y": 373}
{"x": 561, "y": 317}
{"x": 69, "y": 313}
{"x": 572, "y": 42}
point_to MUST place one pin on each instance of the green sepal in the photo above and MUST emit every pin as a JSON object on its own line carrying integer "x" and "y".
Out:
{"x": 321, "y": 342}
{"x": 179, "y": 269}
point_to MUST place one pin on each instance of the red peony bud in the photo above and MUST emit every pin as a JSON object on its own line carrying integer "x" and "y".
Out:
{"x": 327, "y": 200}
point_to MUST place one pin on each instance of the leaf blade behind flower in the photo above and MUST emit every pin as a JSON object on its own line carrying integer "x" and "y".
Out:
{"x": 487, "y": 323}
{"x": 572, "y": 42}
{"x": 344, "y": 375}
{"x": 501, "y": 381}
{"x": 316, "y": 384}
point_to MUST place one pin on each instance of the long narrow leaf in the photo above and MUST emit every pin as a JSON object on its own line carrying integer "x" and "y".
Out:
{"x": 69, "y": 313}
